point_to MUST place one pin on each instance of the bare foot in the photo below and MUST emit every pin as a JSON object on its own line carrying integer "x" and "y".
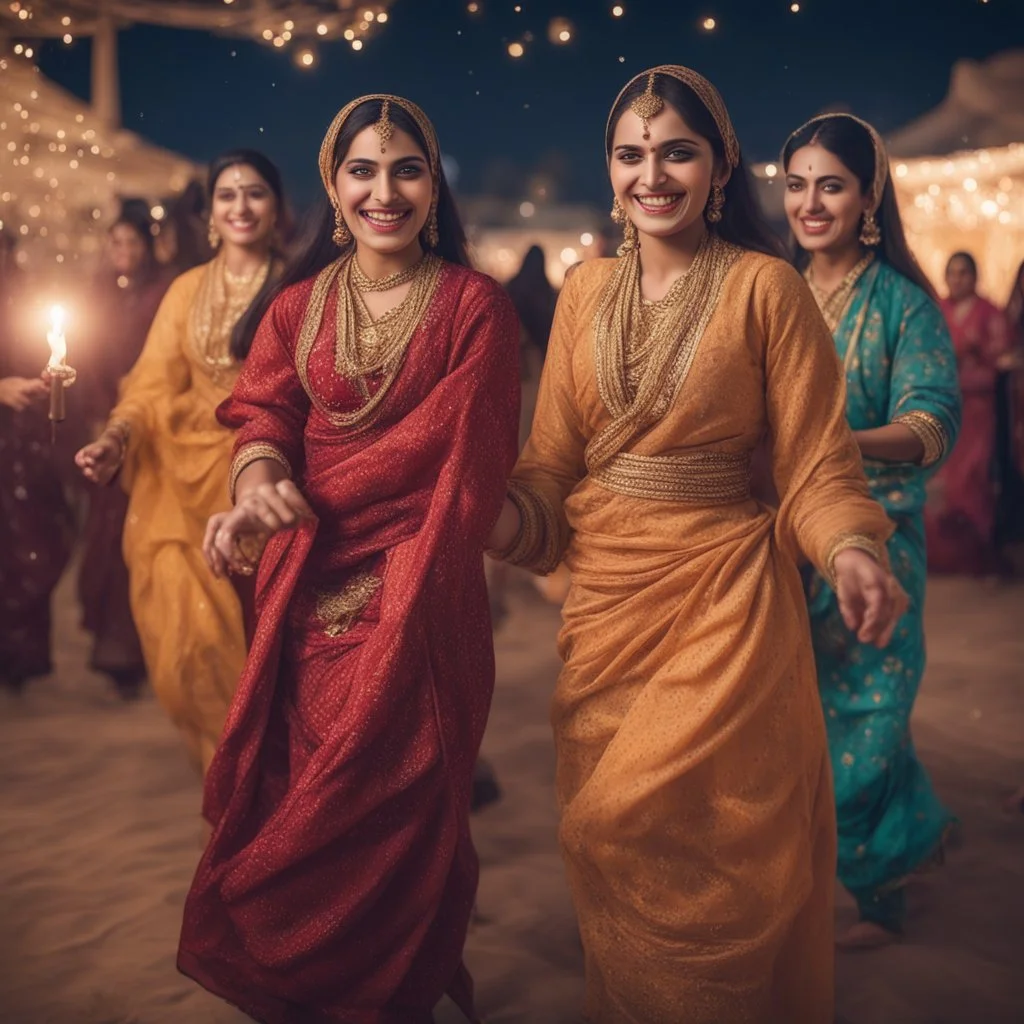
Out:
{"x": 1015, "y": 803}
{"x": 866, "y": 935}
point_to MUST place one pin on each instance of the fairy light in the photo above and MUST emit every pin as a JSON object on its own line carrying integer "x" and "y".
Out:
{"x": 357, "y": 44}
{"x": 795, "y": 8}
{"x": 516, "y": 50}
{"x": 709, "y": 24}
{"x": 322, "y": 29}
{"x": 618, "y": 11}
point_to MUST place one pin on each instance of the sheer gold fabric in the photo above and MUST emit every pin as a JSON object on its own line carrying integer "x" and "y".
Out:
{"x": 176, "y": 474}
{"x": 697, "y": 814}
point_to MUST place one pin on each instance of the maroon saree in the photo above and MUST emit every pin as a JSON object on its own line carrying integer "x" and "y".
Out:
{"x": 340, "y": 877}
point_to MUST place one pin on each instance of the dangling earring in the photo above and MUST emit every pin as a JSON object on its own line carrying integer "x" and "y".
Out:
{"x": 342, "y": 236}
{"x": 870, "y": 235}
{"x": 433, "y": 235}
{"x": 630, "y": 241}
{"x": 713, "y": 211}
{"x": 213, "y": 235}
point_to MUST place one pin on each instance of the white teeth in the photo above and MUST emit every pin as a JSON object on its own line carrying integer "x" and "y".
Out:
{"x": 383, "y": 218}
{"x": 656, "y": 200}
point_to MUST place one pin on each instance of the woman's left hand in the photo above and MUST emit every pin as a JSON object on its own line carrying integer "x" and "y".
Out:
{"x": 871, "y": 601}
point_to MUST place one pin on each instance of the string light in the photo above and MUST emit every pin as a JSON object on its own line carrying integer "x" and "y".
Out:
{"x": 618, "y": 11}
{"x": 516, "y": 49}
{"x": 357, "y": 44}
{"x": 795, "y": 8}
{"x": 709, "y": 24}
{"x": 306, "y": 58}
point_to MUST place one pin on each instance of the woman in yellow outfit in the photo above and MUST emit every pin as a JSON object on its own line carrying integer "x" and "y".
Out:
{"x": 697, "y": 818}
{"x": 174, "y": 456}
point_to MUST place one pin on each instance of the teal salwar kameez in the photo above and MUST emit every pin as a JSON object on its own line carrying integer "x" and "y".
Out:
{"x": 900, "y": 367}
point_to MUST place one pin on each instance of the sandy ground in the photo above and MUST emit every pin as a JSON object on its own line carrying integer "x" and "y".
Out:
{"x": 99, "y": 835}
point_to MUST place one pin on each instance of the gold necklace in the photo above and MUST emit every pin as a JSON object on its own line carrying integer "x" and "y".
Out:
{"x": 643, "y": 354}
{"x": 833, "y": 305}
{"x": 366, "y": 347}
{"x": 219, "y": 304}
{"x": 382, "y": 284}
{"x": 239, "y": 280}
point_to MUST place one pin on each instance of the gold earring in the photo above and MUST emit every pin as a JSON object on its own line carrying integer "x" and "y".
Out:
{"x": 342, "y": 236}
{"x": 715, "y": 203}
{"x": 213, "y": 235}
{"x": 433, "y": 235}
{"x": 630, "y": 240}
{"x": 870, "y": 235}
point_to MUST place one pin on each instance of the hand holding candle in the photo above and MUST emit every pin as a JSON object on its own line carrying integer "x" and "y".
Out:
{"x": 57, "y": 370}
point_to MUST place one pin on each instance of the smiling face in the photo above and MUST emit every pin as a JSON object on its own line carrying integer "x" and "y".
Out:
{"x": 663, "y": 182}
{"x": 244, "y": 209}
{"x": 824, "y": 202}
{"x": 385, "y": 197}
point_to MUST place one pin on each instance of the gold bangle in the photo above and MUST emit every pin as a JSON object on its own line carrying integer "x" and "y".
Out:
{"x": 928, "y": 429}
{"x": 252, "y": 452}
{"x": 536, "y": 545}
{"x": 122, "y": 430}
{"x": 859, "y": 541}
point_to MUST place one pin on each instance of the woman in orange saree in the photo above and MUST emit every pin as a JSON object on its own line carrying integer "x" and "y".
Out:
{"x": 698, "y": 827}
{"x": 377, "y": 419}
{"x": 173, "y": 456}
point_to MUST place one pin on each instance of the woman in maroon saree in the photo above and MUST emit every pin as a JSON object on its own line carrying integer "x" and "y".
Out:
{"x": 125, "y": 303}
{"x": 36, "y": 522}
{"x": 377, "y": 419}
{"x": 960, "y": 515}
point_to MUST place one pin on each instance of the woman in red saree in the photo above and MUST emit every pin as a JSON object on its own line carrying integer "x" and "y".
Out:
{"x": 960, "y": 517}
{"x": 377, "y": 417}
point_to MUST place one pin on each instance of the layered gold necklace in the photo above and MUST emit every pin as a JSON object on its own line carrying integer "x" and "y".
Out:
{"x": 221, "y": 300}
{"x": 367, "y": 347}
{"x": 834, "y": 304}
{"x": 643, "y": 351}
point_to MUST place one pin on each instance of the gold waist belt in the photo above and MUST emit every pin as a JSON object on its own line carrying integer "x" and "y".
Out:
{"x": 697, "y": 478}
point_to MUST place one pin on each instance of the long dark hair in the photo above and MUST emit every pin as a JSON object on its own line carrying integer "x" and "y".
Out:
{"x": 742, "y": 221}
{"x": 267, "y": 170}
{"x": 315, "y": 247}
{"x": 851, "y": 143}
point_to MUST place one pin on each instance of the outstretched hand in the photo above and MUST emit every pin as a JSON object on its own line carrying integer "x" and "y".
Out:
{"x": 234, "y": 540}
{"x": 871, "y": 601}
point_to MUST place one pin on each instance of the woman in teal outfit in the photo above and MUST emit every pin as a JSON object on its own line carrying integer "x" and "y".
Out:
{"x": 903, "y": 404}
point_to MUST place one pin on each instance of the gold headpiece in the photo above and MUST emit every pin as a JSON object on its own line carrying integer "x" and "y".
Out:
{"x": 385, "y": 129}
{"x": 650, "y": 104}
{"x": 881, "y": 175}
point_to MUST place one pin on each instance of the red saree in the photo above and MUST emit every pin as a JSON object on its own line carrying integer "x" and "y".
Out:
{"x": 340, "y": 877}
{"x": 960, "y": 520}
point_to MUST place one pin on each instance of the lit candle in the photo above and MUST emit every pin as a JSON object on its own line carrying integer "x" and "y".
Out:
{"x": 61, "y": 375}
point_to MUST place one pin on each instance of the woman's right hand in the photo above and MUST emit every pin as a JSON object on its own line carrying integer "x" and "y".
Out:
{"x": 258, "y": 515}
{"x": 18, "y": 393}
{"x": 101, "y": 460}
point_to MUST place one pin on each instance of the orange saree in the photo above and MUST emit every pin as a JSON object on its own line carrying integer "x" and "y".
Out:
{"x": 698, "y": 825}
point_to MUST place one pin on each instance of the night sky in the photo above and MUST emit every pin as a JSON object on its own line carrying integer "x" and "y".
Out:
{"x": 498, "y": 117}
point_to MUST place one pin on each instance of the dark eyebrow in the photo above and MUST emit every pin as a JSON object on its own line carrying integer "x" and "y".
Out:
{"x": 363, "y": 162}
{"x": 664, "y": 145}
{"x": 824, "y": 177}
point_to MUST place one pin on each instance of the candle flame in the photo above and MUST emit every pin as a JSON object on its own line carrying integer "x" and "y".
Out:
{"x": 55, "y": 337}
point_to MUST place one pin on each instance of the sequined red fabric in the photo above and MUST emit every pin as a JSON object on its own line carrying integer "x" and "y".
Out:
{"x": 340, "y": 878}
